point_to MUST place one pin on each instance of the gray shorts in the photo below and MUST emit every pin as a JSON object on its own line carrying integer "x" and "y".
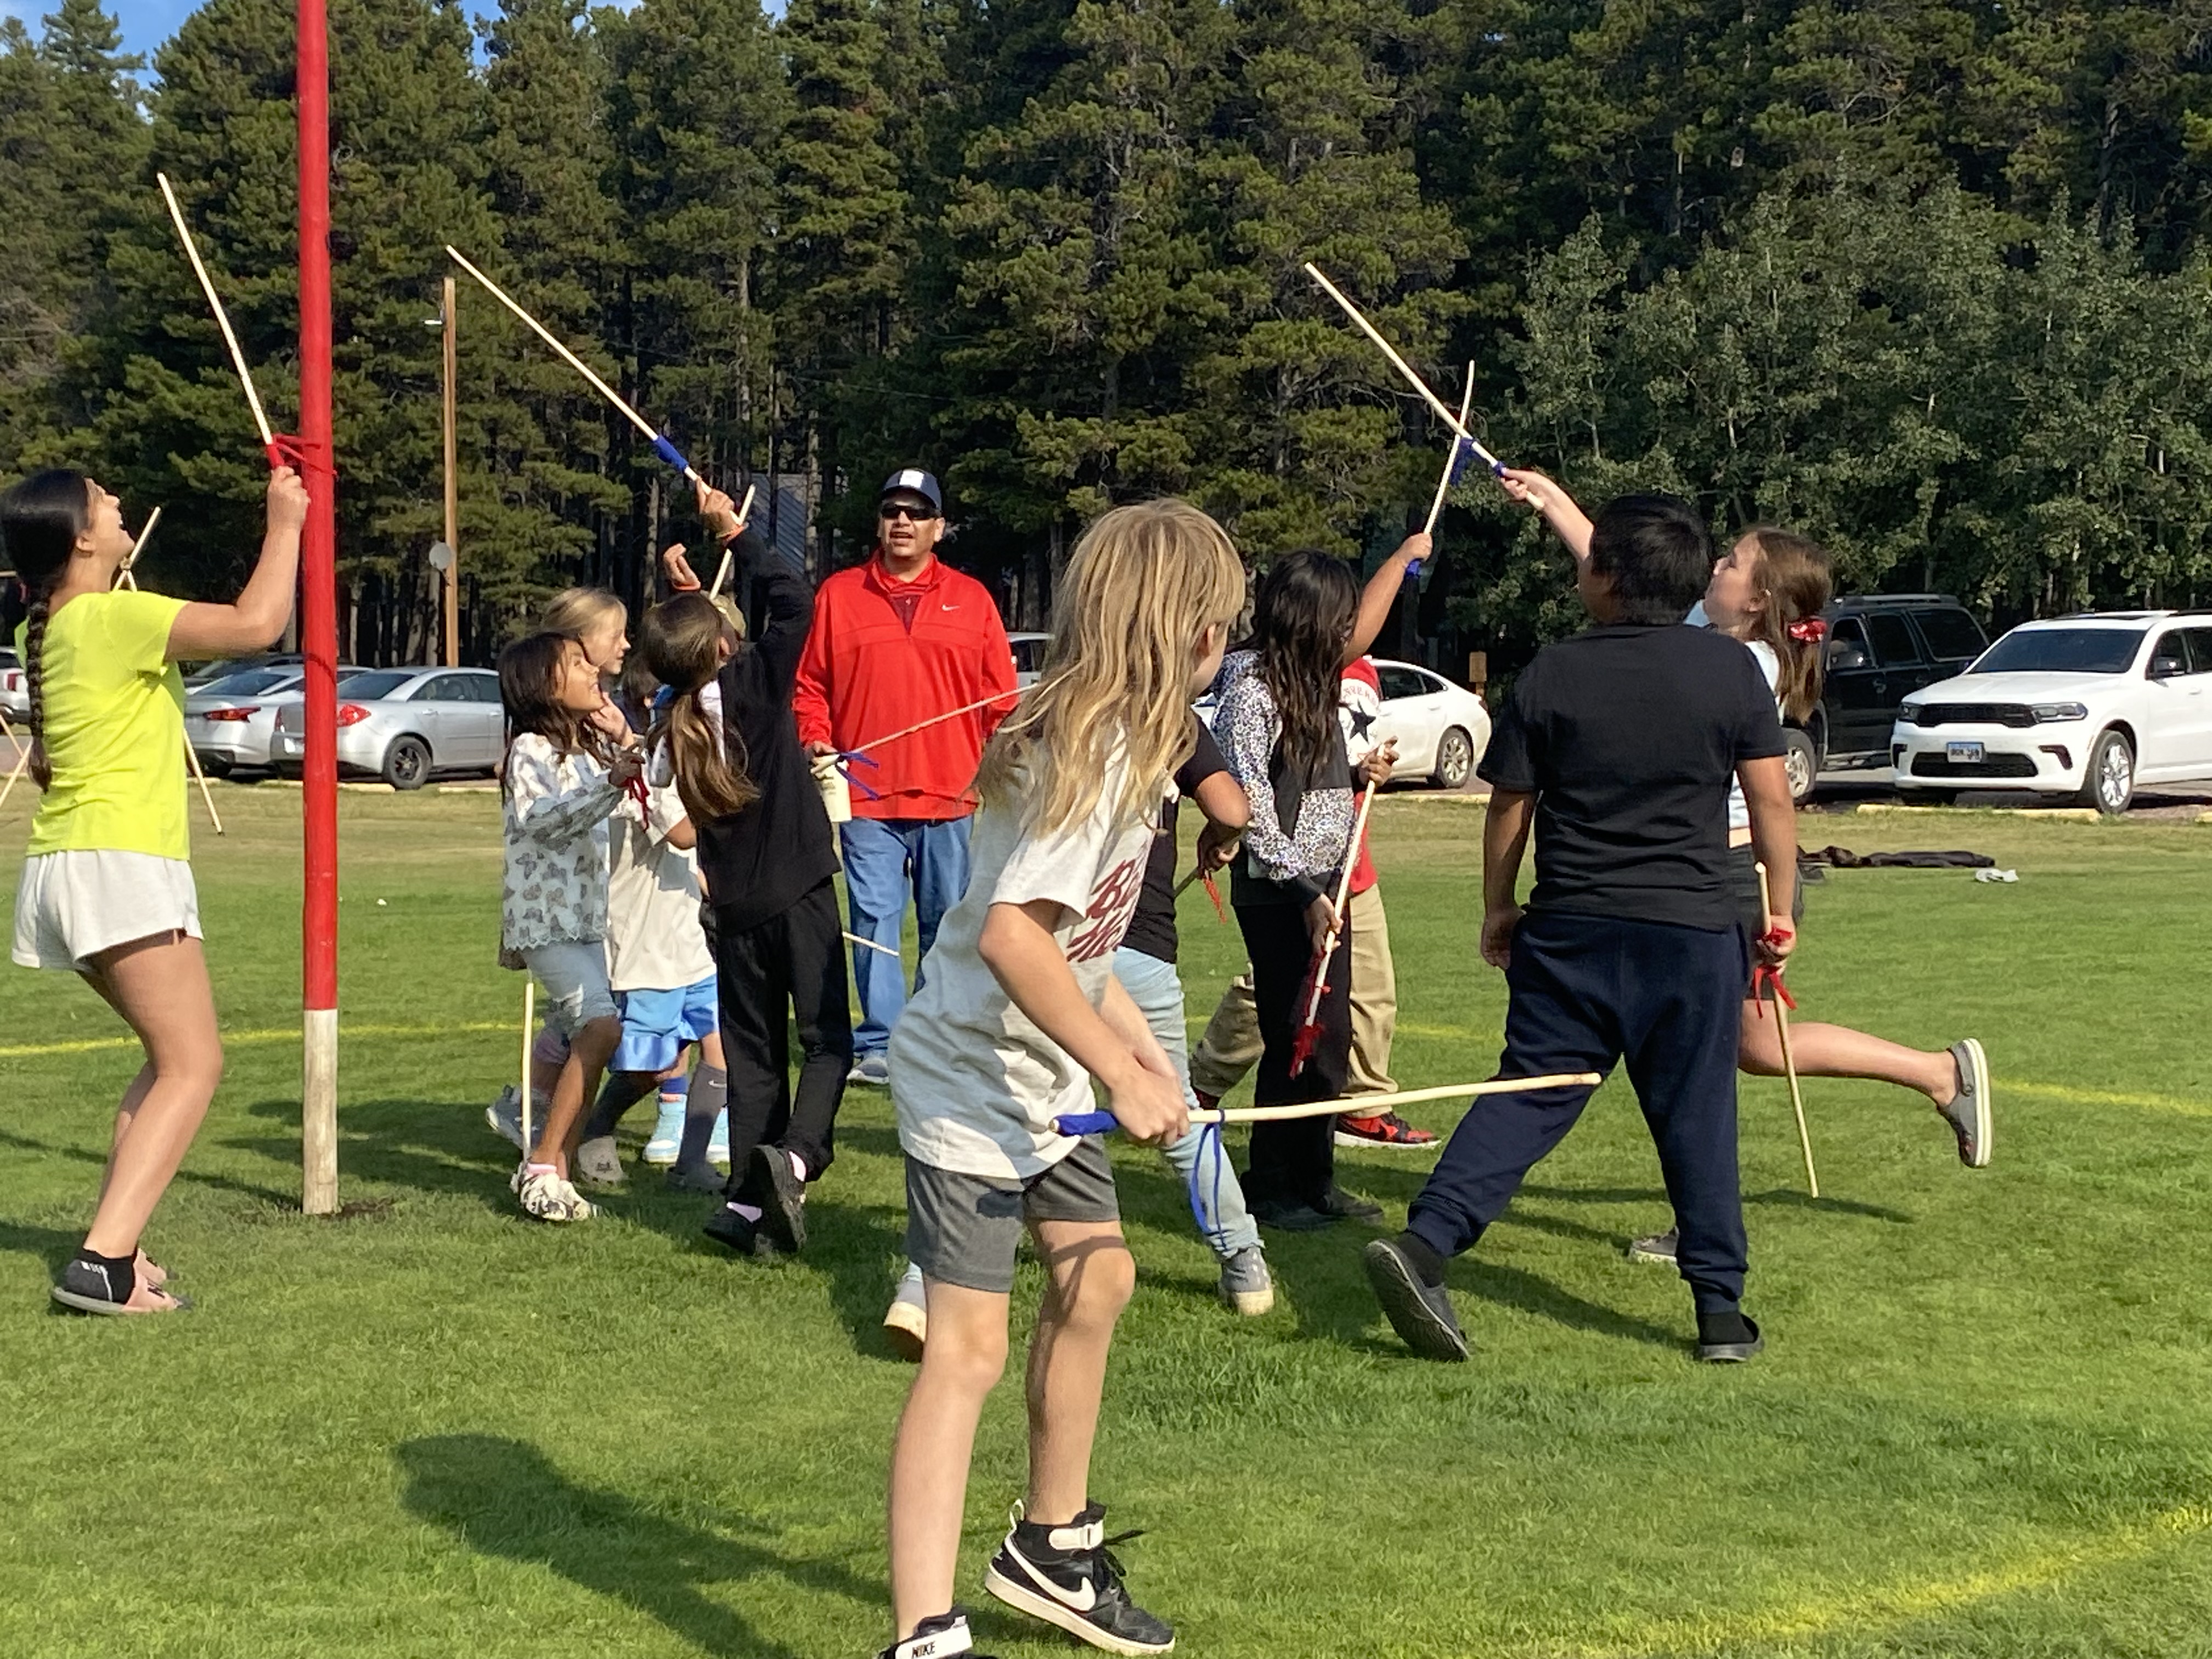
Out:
{"x": 963, "y": 1230}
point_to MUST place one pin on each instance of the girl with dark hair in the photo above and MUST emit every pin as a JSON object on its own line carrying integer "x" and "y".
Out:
{"x": 1277, "y": 729}
{"x": 730, "y": 743}
{"x": 564, "y": 778}
{"x": 107, "y": 891}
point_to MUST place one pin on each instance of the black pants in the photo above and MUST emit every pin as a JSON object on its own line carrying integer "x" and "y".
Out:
{"x": 1585, "y": 991}
{"x": 794, "y": 960}
{"x": 1294, "y": 1162}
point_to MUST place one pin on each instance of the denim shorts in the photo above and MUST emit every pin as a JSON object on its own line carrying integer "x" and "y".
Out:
{"x": 575, "y": 975}
{"x": 963, "y": 1230}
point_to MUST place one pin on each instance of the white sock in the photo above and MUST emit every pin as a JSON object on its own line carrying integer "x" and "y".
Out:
{"x": 798, "y": 1164}
{"x": 541, "y": 1168}
{"x": 750, "y": 1211}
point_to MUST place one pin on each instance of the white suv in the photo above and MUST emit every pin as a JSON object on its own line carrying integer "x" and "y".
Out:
{"x": 2086, "y": 706}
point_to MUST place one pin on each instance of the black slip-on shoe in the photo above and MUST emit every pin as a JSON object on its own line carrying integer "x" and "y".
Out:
{"x": 1068, "y": 1576}
{"x": 782, "y": 1199}
{"x": 1286, "y": 1215}
{"x": 1348, "y": 1206}
{"x": 1421, "y": 1313}
{"x": 1726, "y": 1347}
{"x": 732, "y": 1231}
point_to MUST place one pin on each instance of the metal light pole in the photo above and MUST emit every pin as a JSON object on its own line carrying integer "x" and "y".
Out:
{"x": 449, "y": 319}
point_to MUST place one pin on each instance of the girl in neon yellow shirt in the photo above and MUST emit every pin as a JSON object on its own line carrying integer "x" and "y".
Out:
{"x": 106, "y": 891}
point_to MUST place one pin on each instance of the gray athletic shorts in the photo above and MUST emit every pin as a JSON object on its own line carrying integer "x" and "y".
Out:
{"x": 963, "y": 1230}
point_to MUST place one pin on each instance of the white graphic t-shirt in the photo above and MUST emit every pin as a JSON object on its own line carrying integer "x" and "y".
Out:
{"x": 975, "y": 1083}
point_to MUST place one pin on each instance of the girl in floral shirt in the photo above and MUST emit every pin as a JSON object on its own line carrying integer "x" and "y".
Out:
{"x": 564, "y": 778}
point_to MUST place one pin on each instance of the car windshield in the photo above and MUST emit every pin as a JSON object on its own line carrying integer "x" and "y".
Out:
{"x": 2062, "y": 651}
{"x": 369, "y": 684}
{"x": 246, "y": 683}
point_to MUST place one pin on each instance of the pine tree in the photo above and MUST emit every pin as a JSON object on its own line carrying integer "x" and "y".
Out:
{"x": 546, "y": 502}
{"x": 697, "y": 102}
{"x": 838, "y": 279}
{"x": 1308, "y": 422}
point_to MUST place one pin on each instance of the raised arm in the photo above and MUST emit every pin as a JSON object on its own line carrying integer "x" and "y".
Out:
{"x": 255, "y": 621}
{"x": 1381, "y": 594}
{"x": 1568, "y": 521}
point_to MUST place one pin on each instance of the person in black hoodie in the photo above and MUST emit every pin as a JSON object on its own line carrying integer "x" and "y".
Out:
{"x": 768, "y": 858}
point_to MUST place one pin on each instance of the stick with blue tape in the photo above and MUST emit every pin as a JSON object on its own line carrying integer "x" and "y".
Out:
{"x": 661, "y": 447}
{"x": 1462, "y": 450}
{"x": 1100, "y": 1123}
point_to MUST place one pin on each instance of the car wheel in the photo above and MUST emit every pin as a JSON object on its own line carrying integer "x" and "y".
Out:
{"x": 407, "y": 763}
{"x": 2109, "y": 783}
{"x": 216, "y": 766}
{"x": 1455, "y": 758}
{"x": 1802, "y": 761}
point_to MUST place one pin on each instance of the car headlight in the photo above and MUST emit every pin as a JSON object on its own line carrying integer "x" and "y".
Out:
{"x": 2060, "y": 711}
{"x": 1908, "y": 713}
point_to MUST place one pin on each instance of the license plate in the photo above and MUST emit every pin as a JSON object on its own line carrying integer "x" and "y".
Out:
{"x": 291, "y": 745}
{"x": 1969, "y": 754}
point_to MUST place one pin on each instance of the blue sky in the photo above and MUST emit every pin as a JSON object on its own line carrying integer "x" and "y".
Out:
{"x": 147, "y": 23}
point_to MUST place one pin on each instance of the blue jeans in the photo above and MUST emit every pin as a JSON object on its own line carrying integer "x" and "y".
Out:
{"x": 885, "y": 860}
{"x": 1153, "y": 987}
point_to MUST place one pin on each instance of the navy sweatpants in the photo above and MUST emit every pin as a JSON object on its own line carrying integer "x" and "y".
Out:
{"x": 1584, "y": 992}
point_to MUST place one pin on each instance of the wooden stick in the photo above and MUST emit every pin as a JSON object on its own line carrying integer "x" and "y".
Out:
{"x": 529, "y": 1019}
{"x": 1789, "y": 1059}
{"x": 1343, "y": 897}
{"x": 1451, "y": 461}
{"x": 744, "y": 507}
{"x": 22, "y": 761}
{"x": 221, "y": 316}
{"x": 1365, "y": 1105}
{"x": 1403, "y": 367}
{"x": 666, "y": 450}
{"x": 126, "y": 578}
{"x": 936, "y": 719}
{"x": 871, "y": 945}
{"x": 1196, "y": 874}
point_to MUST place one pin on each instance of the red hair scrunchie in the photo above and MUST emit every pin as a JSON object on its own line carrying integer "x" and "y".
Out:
{"x": 1809, "y": 631}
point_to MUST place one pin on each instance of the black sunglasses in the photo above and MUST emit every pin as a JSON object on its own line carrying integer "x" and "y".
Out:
{"x": 890, "y": 510}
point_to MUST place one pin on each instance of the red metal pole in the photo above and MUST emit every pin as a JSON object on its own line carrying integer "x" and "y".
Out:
{"x": 319, "y": 952}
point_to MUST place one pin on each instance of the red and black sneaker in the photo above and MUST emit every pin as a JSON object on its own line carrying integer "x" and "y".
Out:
{"x": 1386, "y": 1129}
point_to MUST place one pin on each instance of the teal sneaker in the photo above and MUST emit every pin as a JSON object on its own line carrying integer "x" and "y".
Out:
{"x": 667, "y": 1133}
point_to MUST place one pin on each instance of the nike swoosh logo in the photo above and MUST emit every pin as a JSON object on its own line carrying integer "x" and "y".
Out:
{"x": 1081, "y": 1603}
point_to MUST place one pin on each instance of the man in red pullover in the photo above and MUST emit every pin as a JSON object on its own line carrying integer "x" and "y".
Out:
{"x": 894, "y": 642}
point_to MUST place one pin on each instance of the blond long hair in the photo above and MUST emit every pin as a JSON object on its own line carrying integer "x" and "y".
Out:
{"x": 578, "y": 611}
{"x": 1145, "y": 582}
{"x": 1793, "y": 574}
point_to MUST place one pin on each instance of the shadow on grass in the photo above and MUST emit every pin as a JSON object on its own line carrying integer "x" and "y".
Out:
{"x": 430, "y": 1145}
{"x": 503, "y": 1497}
{"x": 1790, "y": 1198}
{"x": 51, "y": 1245}
{"x": 195, "y": 1177}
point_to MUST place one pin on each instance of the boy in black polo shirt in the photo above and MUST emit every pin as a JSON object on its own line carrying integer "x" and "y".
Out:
{"x": 1619, "y": 744}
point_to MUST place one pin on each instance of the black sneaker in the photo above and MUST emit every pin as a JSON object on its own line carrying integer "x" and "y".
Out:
{"x": 782, "y": 1199}
{"x": 1420, "y": 1313}
{"x": 1348, "y": 1206}
{"x": 940, "y": 1638}
{"x": 1067, "y": 1576}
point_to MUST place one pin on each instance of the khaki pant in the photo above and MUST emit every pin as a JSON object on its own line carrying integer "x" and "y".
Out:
{"x": 1231, "y": 1045}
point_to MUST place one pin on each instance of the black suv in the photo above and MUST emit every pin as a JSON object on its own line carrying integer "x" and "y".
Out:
{"x": 1882, "y": 648}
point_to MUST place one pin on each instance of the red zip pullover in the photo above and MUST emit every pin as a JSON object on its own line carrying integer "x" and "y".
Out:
{"x": 868, "y": 671}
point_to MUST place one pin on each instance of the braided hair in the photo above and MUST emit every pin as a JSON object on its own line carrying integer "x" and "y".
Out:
{"x": 41, "y": 519}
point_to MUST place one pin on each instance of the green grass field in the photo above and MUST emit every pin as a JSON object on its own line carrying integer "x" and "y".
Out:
{"x": 429, "y": 1428}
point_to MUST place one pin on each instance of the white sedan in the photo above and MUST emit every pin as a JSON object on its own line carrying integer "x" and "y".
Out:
{"x": 1442, "y": 729}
